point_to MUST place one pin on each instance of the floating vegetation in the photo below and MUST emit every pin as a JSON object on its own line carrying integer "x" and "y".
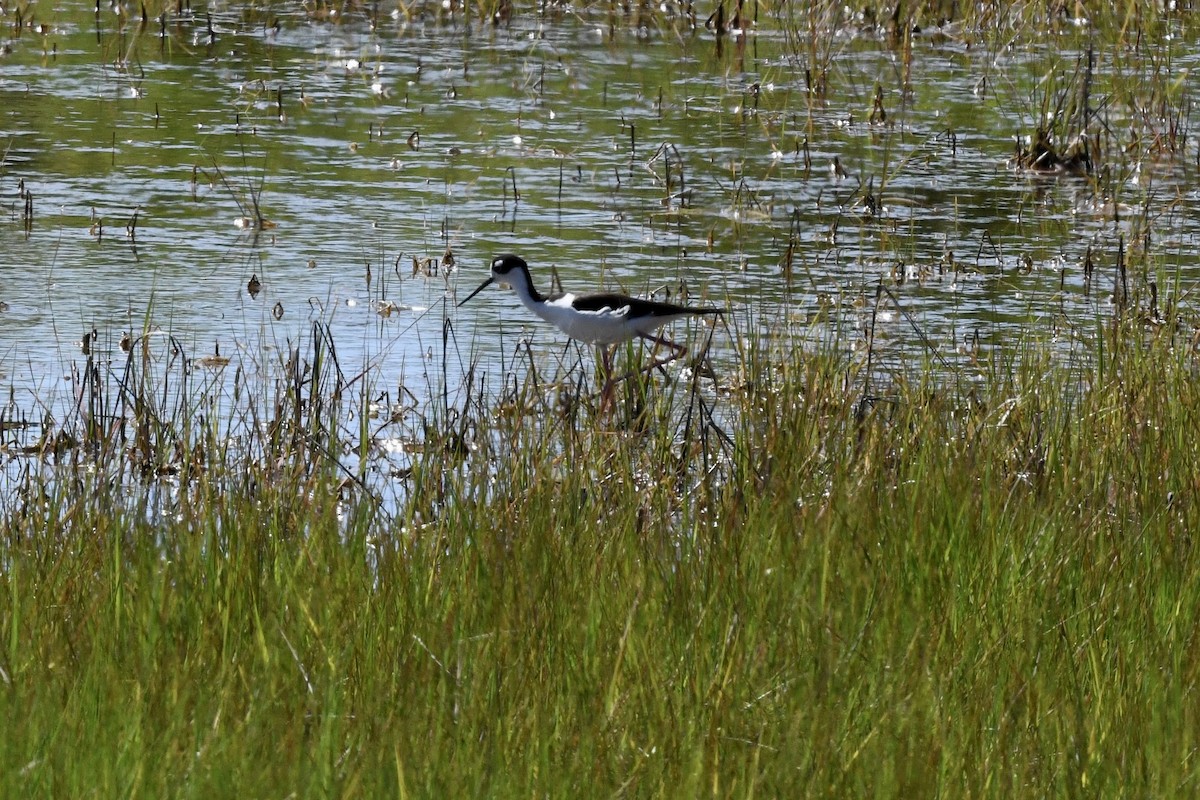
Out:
{"x": 1041, "y": 156}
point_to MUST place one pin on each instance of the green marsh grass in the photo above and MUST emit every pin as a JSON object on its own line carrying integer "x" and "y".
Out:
{"x": 982, "y": 586}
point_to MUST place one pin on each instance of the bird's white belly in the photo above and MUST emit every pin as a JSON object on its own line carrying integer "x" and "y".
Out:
{"x": 607, "y": 326}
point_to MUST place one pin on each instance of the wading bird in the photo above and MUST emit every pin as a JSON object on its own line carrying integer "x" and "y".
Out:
{"x": 604, "y": 319}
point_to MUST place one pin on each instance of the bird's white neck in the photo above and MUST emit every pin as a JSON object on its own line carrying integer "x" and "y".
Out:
{"x": 522, "y": 284}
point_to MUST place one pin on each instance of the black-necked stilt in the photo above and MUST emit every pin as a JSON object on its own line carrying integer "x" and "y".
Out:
{"x": 600, "y": 319}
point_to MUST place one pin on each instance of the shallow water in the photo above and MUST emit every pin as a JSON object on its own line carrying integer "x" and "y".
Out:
{"x": 654, "y": 158}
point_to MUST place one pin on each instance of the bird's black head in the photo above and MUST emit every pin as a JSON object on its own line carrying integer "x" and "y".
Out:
{"x": 507, "y": 269}
{"x": 507, "y": 263}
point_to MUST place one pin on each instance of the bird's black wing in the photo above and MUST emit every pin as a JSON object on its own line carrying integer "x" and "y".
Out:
{"x": 637, "y": 307}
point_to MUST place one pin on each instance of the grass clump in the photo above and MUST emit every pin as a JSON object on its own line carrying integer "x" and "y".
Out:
{"x": 979, "y": 585}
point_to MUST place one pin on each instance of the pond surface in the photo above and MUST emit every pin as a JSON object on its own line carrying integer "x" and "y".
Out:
{"x": 638, "y": 153}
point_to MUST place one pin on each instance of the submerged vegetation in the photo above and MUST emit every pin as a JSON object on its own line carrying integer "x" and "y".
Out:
{"x": 803, "y": 561}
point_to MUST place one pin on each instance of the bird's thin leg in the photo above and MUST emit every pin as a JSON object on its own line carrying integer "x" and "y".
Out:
{"x": 677, "y": 351}
{"x": 606, "y": 366}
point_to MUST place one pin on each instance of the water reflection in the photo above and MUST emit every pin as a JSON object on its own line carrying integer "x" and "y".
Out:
{"x": 633, "y": 156}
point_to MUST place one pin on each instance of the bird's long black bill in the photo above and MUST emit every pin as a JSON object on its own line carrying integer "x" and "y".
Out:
{"x": 482, "y": 286}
